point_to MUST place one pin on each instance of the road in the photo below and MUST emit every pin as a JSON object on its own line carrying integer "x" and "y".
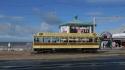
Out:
{"x": 107, "y": 63}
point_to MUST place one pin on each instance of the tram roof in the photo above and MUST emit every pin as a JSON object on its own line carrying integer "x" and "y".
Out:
{"x": 84, "y": 35}
{"x": 77, "y": 24}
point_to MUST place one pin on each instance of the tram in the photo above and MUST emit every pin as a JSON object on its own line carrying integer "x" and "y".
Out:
{"x": 55, "y": 41}
{"x": 72, "y": 35}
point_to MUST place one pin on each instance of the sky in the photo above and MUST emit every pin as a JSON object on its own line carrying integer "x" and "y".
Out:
{"x": 20, "y": 19}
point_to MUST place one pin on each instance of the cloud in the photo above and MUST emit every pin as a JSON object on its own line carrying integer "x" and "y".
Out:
{"x": 49, "y": 19}
{"x": 11, "y": 17}
{"x": 1, "y": 16}
{"x": 108, "y": 19}
{"x": 94, "y": 13}
{"x": 14, "y": 25}
{"x": 68, "y": 2}
{"x": 118, "y": 30}
{"x": 14, "y": 32}
{"x": 4, "y": 26}
{"x": 36, "y": 9}
{"x": 106, "y": 2}
{"x": 14, "y": 28}
{"x": 93, "y": 3}
{"x": 45, "y": 27}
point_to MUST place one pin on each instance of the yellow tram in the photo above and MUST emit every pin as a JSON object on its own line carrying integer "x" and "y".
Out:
{"x": 53, "y": 41}
{"x": 72, "y": 35}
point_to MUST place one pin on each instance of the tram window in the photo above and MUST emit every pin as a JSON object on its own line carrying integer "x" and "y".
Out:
{"x": 34, "y": 39}
{"x": 73, "y": 30}
{"x": 41, "y": 40}
{"x": 84, "y": 40}
{"x": 46, "y": 40}
{"x": 73, "y": 40}
{"x": 55, "y": 40}
{"x": 90, "y": 40}
{"x": 37, "y": 39}
{"x": 64, "y": 40}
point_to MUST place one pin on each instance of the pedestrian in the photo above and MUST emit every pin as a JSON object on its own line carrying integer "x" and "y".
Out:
{"x": 113, "y": 44}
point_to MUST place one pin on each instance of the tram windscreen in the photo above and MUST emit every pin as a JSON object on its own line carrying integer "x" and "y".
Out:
{"x": 73, "y": 30}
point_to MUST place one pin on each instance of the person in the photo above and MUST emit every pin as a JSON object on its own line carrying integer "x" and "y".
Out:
{"x": 102, "y": 45}
{"x": 9, "y": 46}
{"x": 113, "y": 44}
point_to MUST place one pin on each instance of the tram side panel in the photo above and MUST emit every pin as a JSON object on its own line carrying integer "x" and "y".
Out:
{"x": 39, "y": 46}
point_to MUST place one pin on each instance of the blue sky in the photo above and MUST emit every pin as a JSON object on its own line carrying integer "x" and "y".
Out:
{"x": 19, "y": 19}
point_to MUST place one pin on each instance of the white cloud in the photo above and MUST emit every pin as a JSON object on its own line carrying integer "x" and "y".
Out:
{"x": 1, "y": 16}
{"x": 16, "y": 17}
{"x": 48, "y": 17}
{"x": 4, "y": 26}
{"x": 105, "y": 1}
{"x": 36, "y": 9}
{"x": 12, "y": 29}
{"x": 118, "y": 30}
{"x": 49, "y": 20}
{"x": 11, "y": 17}
{"x": 88, "y": 1}
{"x": 45, "y": 27}
{"x": 24, "y": 29}
{"x": 94, "y": 13}
{"x": 13, "y": 32}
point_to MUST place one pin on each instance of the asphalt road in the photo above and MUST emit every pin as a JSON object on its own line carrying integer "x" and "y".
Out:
{"x": 107, "y": 63}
